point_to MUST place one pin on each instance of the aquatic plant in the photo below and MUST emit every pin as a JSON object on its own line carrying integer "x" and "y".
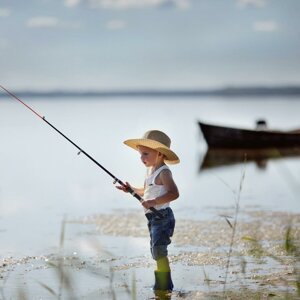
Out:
{"x": 66, "y": 281}
{"x": 233, "y": 225}
{"x": 291, "y": 247}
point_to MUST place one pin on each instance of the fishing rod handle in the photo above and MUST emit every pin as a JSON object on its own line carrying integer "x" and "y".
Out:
{"x": 137, "y": 196}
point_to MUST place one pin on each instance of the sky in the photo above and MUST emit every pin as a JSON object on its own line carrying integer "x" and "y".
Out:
{"x": 148, "y": 44}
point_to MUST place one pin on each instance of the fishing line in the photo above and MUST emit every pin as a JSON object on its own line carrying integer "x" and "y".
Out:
{"x": 116, "y": 180}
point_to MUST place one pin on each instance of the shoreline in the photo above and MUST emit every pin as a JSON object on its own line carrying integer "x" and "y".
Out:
{"x": 107, "y": 252}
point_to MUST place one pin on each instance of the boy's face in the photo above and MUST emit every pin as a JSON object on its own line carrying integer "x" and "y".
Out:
{"x": 149, "y": 157}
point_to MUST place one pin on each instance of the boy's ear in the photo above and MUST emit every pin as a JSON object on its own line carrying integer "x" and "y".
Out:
{"x": 161, "y": 154}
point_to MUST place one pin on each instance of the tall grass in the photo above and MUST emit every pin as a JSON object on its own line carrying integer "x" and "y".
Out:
{"x": 291, "y": 247}
{"x": 290, "y": 244}
{"x": 233, "y": 225}
{"x": 66, "y": 281}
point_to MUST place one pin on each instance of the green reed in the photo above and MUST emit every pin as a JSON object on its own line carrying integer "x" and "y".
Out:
{"x": 291, "y": 246}
{"x": 66, "y": 279}
{"x": 233, "y": 225}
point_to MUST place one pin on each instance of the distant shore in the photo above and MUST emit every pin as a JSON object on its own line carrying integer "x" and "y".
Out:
{"x": 262, "y": 91}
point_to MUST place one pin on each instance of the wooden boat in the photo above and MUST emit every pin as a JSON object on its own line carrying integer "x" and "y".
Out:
{"x": 228, "y": 137}
{"x": 222, "y": 157}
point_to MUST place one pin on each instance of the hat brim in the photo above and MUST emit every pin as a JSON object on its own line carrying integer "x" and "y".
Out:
{"x": 171, "y": 157}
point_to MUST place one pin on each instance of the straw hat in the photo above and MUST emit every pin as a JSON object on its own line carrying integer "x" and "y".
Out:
{"x": 158, "y": 141}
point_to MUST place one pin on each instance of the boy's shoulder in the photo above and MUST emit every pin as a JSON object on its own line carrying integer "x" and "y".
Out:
{"x": 165, "y": 172}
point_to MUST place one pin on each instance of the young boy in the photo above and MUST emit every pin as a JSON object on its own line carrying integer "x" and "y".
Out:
{"x": 158, "y": 191}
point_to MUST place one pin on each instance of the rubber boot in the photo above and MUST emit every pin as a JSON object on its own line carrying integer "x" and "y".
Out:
{"x": 163, "y": 281}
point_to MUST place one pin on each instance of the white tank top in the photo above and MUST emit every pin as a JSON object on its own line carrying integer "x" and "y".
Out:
{"x": 153, "y": 190}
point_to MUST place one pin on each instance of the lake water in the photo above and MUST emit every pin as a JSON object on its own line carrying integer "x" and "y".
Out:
{"x": 42, "y": 179}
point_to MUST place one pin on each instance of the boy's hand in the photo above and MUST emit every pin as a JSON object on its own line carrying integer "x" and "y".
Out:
{"x": 124, "y": 188}
{"x": 149, "y": 203}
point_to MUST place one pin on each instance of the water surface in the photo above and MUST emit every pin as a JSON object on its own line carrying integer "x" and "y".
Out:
{"x": 43, "y": 179}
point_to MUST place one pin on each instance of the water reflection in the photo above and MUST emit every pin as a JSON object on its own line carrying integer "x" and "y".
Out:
{"x": 219, "y": 157}
{"x": 162, "y": 295}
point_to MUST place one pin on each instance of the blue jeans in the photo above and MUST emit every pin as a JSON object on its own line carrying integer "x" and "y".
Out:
{"x": 160, "y": 231}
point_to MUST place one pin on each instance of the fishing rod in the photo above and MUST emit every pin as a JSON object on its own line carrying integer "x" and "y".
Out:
{"x": 116, "y": 180}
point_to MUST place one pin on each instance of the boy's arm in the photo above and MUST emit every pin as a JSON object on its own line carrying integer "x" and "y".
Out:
{"x": 139, "y": 191}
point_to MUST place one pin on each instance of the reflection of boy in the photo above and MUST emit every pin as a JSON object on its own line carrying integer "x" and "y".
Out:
{"x": 158, "y": 191}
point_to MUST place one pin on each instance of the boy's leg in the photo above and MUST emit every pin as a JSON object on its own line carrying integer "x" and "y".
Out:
{"x": 163, "y": 264}
{"x": 161, "y": 232}
{"x": 163, "y": 280}
{"x": 160, "y": 237}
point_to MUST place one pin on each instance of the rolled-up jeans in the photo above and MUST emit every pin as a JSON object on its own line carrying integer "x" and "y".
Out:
{"x": 161, "y": 231}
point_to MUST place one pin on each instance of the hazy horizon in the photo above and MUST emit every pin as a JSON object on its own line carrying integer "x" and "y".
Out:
{"x": 242, "y": 91}
{"x": 148, "y": 44}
